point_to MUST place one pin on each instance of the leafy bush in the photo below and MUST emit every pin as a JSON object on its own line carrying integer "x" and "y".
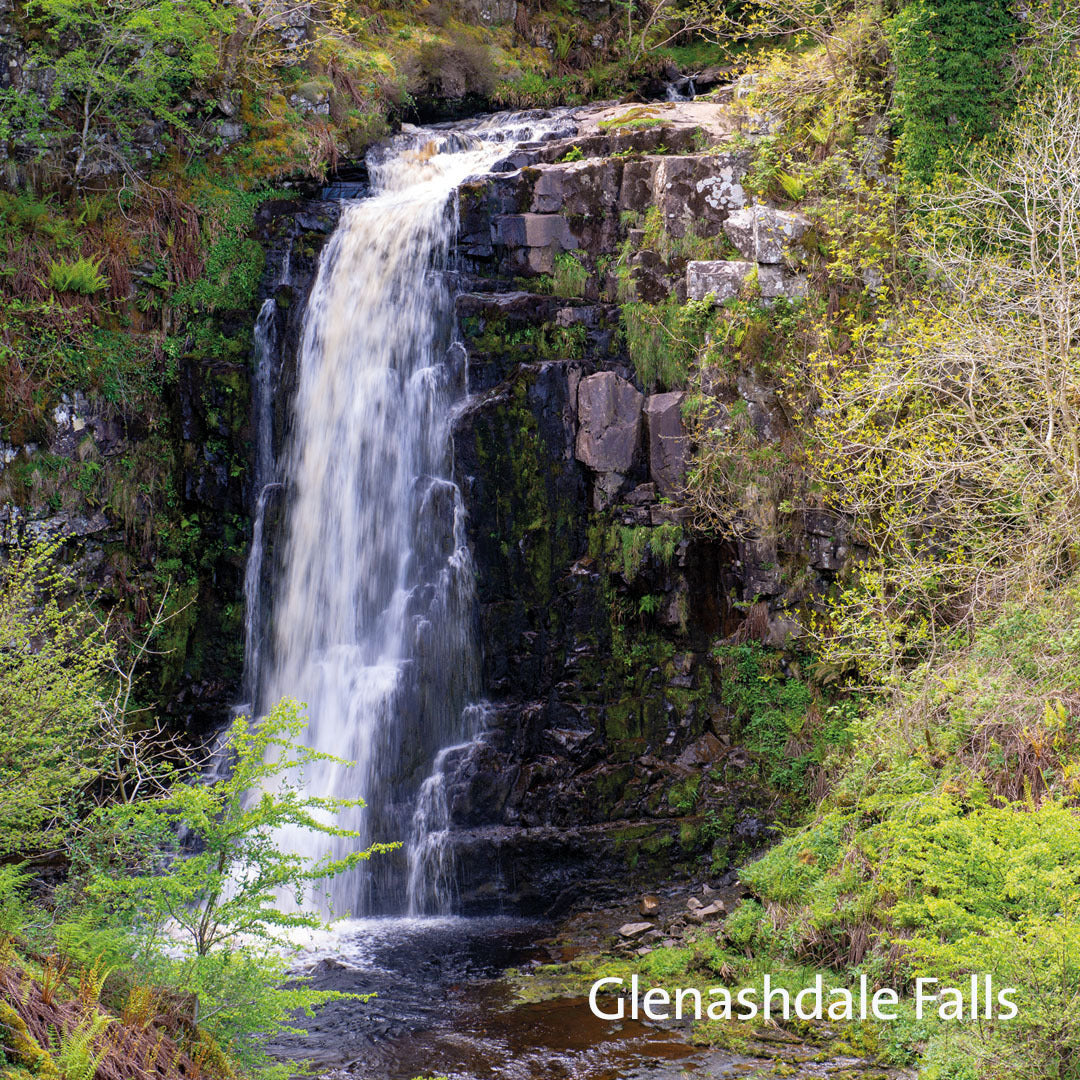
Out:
{"x": 133, "y": 58}
{"x": 82, "y": 275}
{"x": 234, "y": 261}
{"x": 952, "y": 82}
{"x": 949, "y": 845}
{"x": 453, "y": 68}
{"x": 778, "y": 715}
{"x": 54, "y": 690}
{"x": 197, "y": 879}
{"x": 936, "y": 431}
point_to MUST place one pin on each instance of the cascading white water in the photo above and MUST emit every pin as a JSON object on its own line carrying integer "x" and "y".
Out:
{"x": 372, "y": 600}
{"x": 265, "y": 482}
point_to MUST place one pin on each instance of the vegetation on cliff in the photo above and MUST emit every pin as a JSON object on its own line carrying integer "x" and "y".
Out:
{"x": 929, "y": 384}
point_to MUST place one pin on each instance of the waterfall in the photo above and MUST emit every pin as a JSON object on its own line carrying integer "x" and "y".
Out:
{"x": 265, "y": 482}
{"x": 372, "y": 597}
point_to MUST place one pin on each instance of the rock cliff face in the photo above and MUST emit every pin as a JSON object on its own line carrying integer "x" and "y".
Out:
{"x": 609, "y": 755}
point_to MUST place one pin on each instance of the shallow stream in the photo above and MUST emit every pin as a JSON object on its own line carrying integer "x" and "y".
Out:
{"x": 446, "y": 1007}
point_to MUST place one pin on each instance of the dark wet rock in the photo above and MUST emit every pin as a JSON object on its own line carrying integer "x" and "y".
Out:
{"x": 669, "y": 445}
{"x": 609, "y": 423}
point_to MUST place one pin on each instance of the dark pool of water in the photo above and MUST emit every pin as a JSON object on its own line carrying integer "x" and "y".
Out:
{"x": 445, "y": 1008}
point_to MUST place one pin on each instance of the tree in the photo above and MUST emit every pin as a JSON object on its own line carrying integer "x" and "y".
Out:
{"x": 207, "y": 895}
{"x": 952, "y": 77}
{"x": 124, "y": 62}
{"x": 54, "y": 689}
{"x": 951, "y": 432}
{"x": 70, "y": 736}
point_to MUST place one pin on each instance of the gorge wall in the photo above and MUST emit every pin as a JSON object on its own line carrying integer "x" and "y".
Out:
{"x": 611, "y": 748}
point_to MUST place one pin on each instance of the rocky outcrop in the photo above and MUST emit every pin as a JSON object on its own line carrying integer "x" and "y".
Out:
{"x": 724, "y": 279}
{"x": 518, "y": 221}
{"x": 729, "y": 279}
{"x": 608, "y": 427}
{"x": 765, "y": 235}
{"x": 607, "y": 747}
{"x": 669, "y": 445}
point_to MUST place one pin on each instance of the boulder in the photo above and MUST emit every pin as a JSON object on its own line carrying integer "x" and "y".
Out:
{"x": 776, "y": 283}
{"x": 694, "y": 904}
{"x": 668, "y": 442}
{"x": 587, "y": 188}
{"x": 703, "y": 751}
{"x": 725, "y": 279}
{"x": 533, "y": 240}
{"x": 636, "y": 191}
{"x": 634, "y": 929}
{"x": 488, "y": 12}
{"x": 697, "y": 193}
{"x": 763, "y": 234}
{"x": 649, "y": 905}
{"x": 715, "y": 910}
{"x": 609, "y": 423}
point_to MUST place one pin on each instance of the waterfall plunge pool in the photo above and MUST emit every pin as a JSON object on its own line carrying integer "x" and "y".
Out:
{"x": 447, "y": 1006}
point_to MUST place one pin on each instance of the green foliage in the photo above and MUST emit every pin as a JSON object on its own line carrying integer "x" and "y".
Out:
{"x": 634, "y": 119}
{"x": 569, "y": 276}
{"x": 949, "y": 845}
{"x": 664, "y": 339}
{"x": 122, "y": 60}
{"x": 952, "y": 83}
{"x": 82, "y": 275}
{"x": 779, "y": 717}
{"x": 794, "y": 186}
{"x": 206, "y": 915}
{"x": 936, "y": 430}
{"x": 234, "y": 261}
{"x": 628, "y": 545}
{"x": 53, "y": 691}
{"x": 74, "y": 1052}
{"x": 683, "y": 794}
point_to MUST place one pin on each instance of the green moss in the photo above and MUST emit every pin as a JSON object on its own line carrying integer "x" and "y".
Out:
{"x": 683, "y": 795}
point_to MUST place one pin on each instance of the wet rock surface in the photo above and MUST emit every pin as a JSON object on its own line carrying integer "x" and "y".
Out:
{"x": 607, "y": 746}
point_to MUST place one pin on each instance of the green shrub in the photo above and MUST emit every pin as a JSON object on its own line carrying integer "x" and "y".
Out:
{"x": 83, "y": 275}
{"x": 949, "y": 845}
{"x": 952, "y": 86}
{"x": 779, "y": 719}
{"x": 203, "y": 914}
{"x": 664, "y": 339}
{"x": 569, "y": 277}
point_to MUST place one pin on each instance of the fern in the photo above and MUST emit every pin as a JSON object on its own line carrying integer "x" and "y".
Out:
{"x": 82, "y": 275}
{"x": 794, "y": 187}
{"x": 74, "y": 1051}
